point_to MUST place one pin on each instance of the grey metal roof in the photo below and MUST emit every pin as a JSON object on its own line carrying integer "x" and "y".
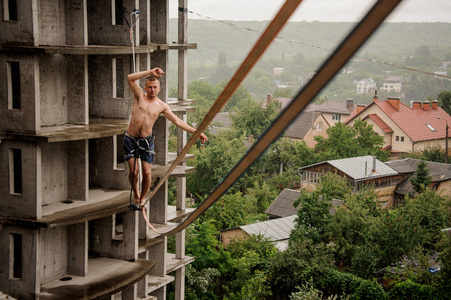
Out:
{"x": 362, "y": 167}
{"x": 301, "y": 125}
{"x": 359, "y": 168}
{"x": 438, "y": 171}
{"x": 275, "y": 230}
{"x": 282, "y": 206}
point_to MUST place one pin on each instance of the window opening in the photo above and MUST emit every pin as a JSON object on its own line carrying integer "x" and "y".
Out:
{"x": 118, "y": 227}
{"x": 10, "y": 12}
{"x": 118, "y": 81}
{"x": 117, "y": 12}
{"x": 15, "y": 256}
{"x": 13, "y": 70}
{"x": 118, "y": 152}
{"x": 16, "y": 171}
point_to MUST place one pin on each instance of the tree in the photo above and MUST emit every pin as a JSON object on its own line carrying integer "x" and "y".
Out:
{"x": 420, "y": 180}
{"x": 314, "y": 214}
{"x": 228, "y": 212}
{"x": 252, "y": 118}
{"x": 296, "y": 265}
{"x": 345, "y": 141}
{"x": 216, "y": 160}
{"x": 444, "y": 99}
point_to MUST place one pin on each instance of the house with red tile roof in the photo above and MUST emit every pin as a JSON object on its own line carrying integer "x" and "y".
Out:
{"x": 316, "y": 118}
{"x": 405, "y": 128}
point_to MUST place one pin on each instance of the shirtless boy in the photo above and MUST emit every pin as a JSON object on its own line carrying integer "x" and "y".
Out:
{"x": 139, "y": 137}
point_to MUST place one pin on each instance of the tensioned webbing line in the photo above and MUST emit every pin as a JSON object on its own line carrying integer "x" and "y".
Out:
{"x": 334, "y": 63}
{"x": 262, "y": 44}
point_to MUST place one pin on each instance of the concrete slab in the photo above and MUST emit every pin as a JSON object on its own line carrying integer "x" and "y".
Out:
{"x": 80, "y": 50}
{"x": 176, "y": 216}
{"x": 106, "y": 276}
{"x": 173, "y": 264}
{"x": 179, "y": 171}
{"x": 156, "y": 282}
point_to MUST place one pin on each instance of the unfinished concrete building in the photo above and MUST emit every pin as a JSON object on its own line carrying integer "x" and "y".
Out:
{"x": 65, "y": 228}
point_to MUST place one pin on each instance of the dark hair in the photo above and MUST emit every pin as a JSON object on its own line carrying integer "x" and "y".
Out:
{"x": 152, "y": 78}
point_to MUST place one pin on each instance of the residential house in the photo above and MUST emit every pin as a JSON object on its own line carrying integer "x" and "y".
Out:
{"x": 392, "y": 83}
{"x": 222, "y": 121}
{"x": 283, "y": 205}
{"x": 365, "y": 86}
{"x": 405, "y": 128}
{"x": 315, "y": 119}
{"x": 359, "y": 171}
{"x": 277, "y": 230}
{"x": 440, "y": 176}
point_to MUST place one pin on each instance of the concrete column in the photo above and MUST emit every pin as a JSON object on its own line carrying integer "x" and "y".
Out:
{"x": 78, "y": 169}
{"x": 130, "y": 223}
{"x": 77, "y": 256}
{"x": 130, "y": 292}
{"x": 77, "y": 86}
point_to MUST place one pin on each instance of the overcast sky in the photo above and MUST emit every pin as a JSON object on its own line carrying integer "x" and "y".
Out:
{"x": 316, "y": 10}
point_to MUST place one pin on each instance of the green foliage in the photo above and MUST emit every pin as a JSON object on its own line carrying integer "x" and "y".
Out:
{"x": 213, "y": 163}
{"x": 202, "y": 243}
{"x": 344, "y": 141}
{"x": 421, "y": 179}
{"x": 229, "y": 211}
{"x": 261, "y": 196}
{"x": 313, "y": 215}
{"x": 250, "y": 279}
{"x": 444, "y": 100}
{"x": 410, "y": 290}
{"x": 301, "y": 261}
{"x": 308, "y": 292}
{"x": 430, "y": 153}
{"x": 445, "y": 261}
{"x": 252, "y": 118}
{"x": 336, "y": 282}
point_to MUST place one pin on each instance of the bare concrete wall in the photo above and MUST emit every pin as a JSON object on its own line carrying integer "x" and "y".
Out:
{"x": 52, "y": 255}
{"x": 74, "y": 22}
{"x": 23, "y": 119}
{"x": 99, "y": 17}
{"x": 53, "y": 89}
{"x": 52, "y": 22}
{"x": 77, "y": 89}
{"x": 106, "y": 240}
{"x": 28, "y": 203}
{"x": 101, "y": 101}
{"x": 20, "y": 31}
{"x": 101, "y": 172}
{"x": 54, "y": 172}
{"x": 27, "y": 286}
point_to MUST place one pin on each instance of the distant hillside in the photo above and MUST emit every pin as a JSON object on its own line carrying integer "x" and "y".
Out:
{"x": 392, "y": 39}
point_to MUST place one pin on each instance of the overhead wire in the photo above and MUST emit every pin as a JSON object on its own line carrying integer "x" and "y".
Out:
{"x": 349, "y": 46}
{"x": 287, "y": 40}
{"x": 261, "y": 45}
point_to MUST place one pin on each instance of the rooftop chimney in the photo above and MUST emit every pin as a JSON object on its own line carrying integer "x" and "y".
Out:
{"x": 349, "y": 102}
{"x": 268, "y": 98}
{"x": 394, "y": 102}
{"x": 416, "y": 104}
{"x": 434, "y": 104}
{"x": 375, "y": 98}
{"x": 426, "y": 105}
{"x": 374, "y": 165}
